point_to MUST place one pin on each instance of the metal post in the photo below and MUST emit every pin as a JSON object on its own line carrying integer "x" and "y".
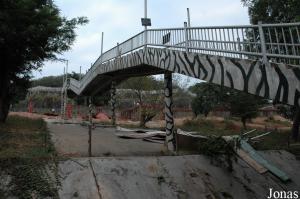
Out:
{"x": 67, "y": 66}
{"x": 263, "y": 43}
{"x": 113, "y": 102}
{"x": 80, "y": 76}
{"x": 102, "y": 36}
{"x": 186, "y": 37}
{"x": 62, "y": 95}
{"x": 146, "y": 15}
{"x": 65, "y": 90}
{"x": 118, "y": 50}
{"x": 90, "y": 127}
{"x": 189, "y": 26}
{"x": 188, "y": 18}
{"x": 239, "y": 47}
{"x": 170, "y": 141}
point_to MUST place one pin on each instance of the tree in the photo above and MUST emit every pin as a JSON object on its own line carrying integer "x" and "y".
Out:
{"x": 277, "y": 11}
{"x": 143, "y": 88}
{"x": 208, "y": 97}
{"x": 244, "y": 105}
{"x": 273, "y": 11}
{"x": 31, "y": 31}
{"x": 292, "y": 113}
{"x": 240, "y": 104}
{"x": 49, "y": 81}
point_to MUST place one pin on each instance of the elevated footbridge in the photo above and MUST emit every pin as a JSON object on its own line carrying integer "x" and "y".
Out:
{"x": 261, "y": 59}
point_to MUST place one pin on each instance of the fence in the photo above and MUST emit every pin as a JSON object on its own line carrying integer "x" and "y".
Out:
{"x": 269, "y": 42}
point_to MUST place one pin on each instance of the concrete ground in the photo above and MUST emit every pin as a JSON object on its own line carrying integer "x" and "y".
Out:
{"x": 169, "y": 177}
{"x": 72, "y": 140}
{"x": 138, "y": 171}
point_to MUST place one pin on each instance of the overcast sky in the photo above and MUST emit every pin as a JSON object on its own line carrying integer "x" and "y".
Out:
{"x": 120, "y": 19}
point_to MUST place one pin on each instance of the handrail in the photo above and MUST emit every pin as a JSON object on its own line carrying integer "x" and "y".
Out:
{"x": 269, "y": 42}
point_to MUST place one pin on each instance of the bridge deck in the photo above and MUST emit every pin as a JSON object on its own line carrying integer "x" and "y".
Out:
{"x": 277, "y": 81}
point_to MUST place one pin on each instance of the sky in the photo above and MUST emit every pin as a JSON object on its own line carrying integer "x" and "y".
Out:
{"x": 121, "y": 19}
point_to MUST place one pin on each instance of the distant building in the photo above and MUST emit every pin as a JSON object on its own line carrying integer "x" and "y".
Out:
{"x": 268, "y": 111}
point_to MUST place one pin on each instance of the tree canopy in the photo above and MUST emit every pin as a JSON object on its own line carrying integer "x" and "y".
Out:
{"x": 209, "y": 96}
{"x": 31, "y": 32}
{"x": 53, "y": 81}
{"x": 273, "y": 11}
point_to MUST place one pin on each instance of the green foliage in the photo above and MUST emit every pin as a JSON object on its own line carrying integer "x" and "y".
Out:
{"x": 31, "y": 32}
{"x": 278, "y": 11}
{"x": 147, "y": 114}
{"x": 44, "y": 100}
{"x": 50, "y": 81}
{"x": 208, "y": 96}
{"x": 53, "y": 81}
{"x": 273, "y": 11}
{"x": 140, "y": 84}
{"x": 219, "y": 151}
{"x": 287, "y": 111}
{"x": 141, "y": 88}
{"x": 244, "y": 105}
{"x": 209, "y": 127}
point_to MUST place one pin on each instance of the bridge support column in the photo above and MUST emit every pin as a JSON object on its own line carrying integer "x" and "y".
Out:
{"x": 170, "y": 141}
{"x": 113, "y": 102}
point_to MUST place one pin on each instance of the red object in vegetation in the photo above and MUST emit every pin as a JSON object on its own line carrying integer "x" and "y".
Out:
{"x": 30, "y": 106}
{"x": 102, "y": 116}
{"x": 69, "y": 111}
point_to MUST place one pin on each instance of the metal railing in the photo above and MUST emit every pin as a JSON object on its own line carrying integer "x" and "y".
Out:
{"x": 278, "y": 43}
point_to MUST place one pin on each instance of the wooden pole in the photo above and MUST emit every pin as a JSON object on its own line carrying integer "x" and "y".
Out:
{"x": 90, "y": 127}
{"x": 113, "y": 102}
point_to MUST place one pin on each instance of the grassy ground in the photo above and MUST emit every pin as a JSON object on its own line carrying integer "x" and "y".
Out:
{"x": 27, "y": 159}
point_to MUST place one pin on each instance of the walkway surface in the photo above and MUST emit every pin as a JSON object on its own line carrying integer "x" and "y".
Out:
{"x": 72, "y": 140}
{"x": 190, "y": 177}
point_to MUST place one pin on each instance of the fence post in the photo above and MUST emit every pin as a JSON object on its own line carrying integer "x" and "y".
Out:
{"x": 113, "y": 102}
{"x": 145, "y": 38}
{"x": 118, "y": 50}
{"x": 239, "y": 47}
{"x": 263, "y": 43}
{"x": 186, "y": 37}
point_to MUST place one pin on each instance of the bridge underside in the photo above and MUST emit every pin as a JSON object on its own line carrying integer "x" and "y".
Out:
{"x": 102, "y": 82}
{"x": 279, "y": 82}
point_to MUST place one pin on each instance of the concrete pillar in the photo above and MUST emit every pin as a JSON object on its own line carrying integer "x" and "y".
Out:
{"x": 113, "y": 102}
{"x": 170, "y": 135}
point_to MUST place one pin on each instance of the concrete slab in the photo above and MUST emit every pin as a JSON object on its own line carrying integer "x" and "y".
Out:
{"x": 72, "y": 139}
{"x": 190, "y": 176}
{"x": 77, "y": 179}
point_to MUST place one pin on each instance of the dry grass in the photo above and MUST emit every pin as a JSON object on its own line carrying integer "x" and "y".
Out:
{"x": 24, "y": 137}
